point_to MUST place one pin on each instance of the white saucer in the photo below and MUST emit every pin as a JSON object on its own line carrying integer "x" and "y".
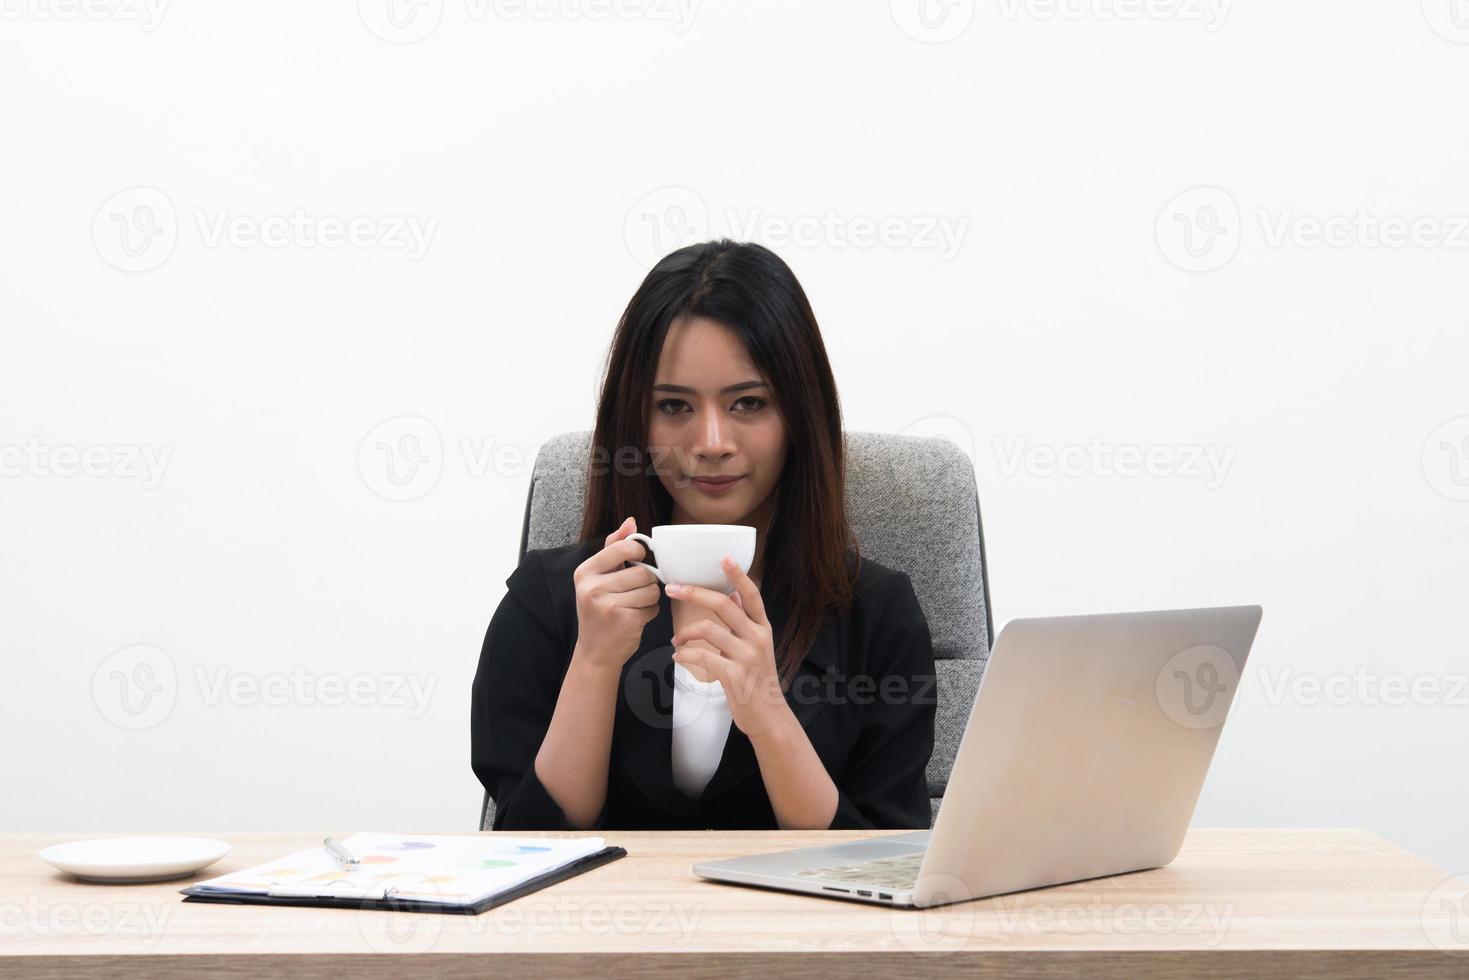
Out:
{"x": 121, "y": 859}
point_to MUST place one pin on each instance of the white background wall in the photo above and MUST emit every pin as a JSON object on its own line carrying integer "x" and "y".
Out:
{"x": 545, "y": 154}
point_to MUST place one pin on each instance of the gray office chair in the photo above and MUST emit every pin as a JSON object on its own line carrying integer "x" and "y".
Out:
{"x": 913, "y": 504}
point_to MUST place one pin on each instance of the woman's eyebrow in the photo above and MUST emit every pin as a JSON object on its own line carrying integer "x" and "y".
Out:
{"x": 742, "y": 386}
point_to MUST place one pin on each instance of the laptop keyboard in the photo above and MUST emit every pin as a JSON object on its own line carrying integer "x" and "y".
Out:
{"x": 893, "y": 872}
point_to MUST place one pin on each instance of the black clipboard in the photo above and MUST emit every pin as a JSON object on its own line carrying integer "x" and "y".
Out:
{"x": 390, "y": 904}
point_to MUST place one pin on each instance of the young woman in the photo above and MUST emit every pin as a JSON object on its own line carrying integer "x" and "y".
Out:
{"x": 802, "y": 698}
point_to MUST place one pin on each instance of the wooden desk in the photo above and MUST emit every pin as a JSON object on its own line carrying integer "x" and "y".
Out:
{"x": 1297, "y": 903}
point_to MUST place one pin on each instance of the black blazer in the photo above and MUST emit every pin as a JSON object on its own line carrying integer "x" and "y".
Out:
{"x": 865, "y": 696}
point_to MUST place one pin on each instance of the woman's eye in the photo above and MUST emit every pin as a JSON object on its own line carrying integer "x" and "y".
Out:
{"x": 751, "y": 403}
{"x": 670, "y": 406}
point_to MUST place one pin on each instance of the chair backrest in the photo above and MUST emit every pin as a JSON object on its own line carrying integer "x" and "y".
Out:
{"x": 914, "y": 506}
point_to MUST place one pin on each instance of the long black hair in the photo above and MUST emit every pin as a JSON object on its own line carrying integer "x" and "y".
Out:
{"x": 749, "y": 289}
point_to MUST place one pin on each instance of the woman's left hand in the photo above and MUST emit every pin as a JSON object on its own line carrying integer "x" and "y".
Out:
{"x": 740, "y": 652}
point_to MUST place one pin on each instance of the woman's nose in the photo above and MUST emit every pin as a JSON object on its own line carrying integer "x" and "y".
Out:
{"x": 714, "y": 436}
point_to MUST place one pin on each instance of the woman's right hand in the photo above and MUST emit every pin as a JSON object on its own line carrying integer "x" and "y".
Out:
{"x": 613, "y": 603}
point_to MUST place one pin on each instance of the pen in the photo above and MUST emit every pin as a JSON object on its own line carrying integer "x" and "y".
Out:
{"x": 345, "y": 858}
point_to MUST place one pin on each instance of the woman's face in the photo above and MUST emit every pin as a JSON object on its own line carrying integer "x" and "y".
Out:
{"x": 712, "y": 415}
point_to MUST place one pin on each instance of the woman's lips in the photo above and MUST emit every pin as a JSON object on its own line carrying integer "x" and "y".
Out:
{"x": 715, "y": 486}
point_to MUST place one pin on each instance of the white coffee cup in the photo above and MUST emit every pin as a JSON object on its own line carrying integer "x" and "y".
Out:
{"x": 692, "y": 554}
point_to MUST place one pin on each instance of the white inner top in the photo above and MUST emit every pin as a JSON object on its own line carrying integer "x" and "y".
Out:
{"x": 701, "y": 722}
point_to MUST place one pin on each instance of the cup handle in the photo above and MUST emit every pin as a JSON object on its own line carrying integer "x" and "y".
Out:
{"x": 647, "y": 543}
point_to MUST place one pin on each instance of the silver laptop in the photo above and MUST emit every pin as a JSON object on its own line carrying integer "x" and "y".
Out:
{"x": 1084, "y": 755}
